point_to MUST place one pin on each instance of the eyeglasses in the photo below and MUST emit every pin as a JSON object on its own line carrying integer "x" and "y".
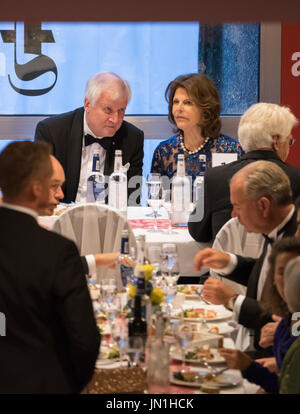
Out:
{"x": 292, "y": 142}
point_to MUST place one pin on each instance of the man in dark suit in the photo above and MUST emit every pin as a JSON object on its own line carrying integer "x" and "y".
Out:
{"x": 262, "y": 201}
{"x": 264, "y": 134}
{"x": 52, "y": 340}
{"x": 100, "y": 126}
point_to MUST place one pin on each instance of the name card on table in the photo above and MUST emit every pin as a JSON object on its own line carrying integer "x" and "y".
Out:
{"x": 222, "y": 158}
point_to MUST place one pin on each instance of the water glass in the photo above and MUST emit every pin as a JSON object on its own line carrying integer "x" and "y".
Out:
{"x": 108, "y": 291}
{"x": 170, "y": 268}
{"x": 154, "y": 256}
{"x": 154, "y": 198}
{"x": 152, "y": 177}
{"x": 167, "y": 203}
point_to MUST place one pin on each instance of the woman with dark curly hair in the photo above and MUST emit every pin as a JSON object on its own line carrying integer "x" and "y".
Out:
{"x": 194, "y": 109}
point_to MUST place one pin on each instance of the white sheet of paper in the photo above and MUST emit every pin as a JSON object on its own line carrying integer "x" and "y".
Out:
{"x": 221, "y": 158}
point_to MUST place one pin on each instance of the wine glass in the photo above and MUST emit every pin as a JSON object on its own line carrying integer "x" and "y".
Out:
{"x": 167, "y": 203}
{"x": 170, "y": 265}
{"x": 133, "y": 349}
{"x": 154, "y": 198}
{"x": 181, "y": 329}
{"x": 152, "y": 177}
{"x": 154, "y": 256}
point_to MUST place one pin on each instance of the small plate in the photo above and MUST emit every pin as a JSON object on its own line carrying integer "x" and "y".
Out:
{"x": 224, "y": 328}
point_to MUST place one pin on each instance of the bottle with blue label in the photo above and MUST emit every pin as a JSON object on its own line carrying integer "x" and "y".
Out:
{"x": 180, "y": 194}
{"x": 198, "y": 187}
{"x": 126, "y": 271}
{"x": 117, "y": 190}
{"x": 96, "y": 182}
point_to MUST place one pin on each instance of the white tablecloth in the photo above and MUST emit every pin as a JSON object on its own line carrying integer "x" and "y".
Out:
{"x": 187, "y": 247}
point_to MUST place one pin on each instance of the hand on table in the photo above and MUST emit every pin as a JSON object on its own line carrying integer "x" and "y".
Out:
{"x": 216, "y": 291}
{"x": 267, "y": 332}
{"x": 269, "y": 363}
{"x": 235, "y": 359}
{"x": 211, "y": 258}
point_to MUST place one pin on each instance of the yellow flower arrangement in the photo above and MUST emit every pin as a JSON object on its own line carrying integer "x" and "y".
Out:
{"x": 148, "y": 269}
{"x": 156, "y": 296}
{"x": 132, "y": 290}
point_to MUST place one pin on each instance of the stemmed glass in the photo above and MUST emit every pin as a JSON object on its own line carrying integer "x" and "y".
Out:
{"x": 152, "y": 177}
{"x": 170, "y": 264}
{"x": 131, "y": 349}
{"x": 182, "y": 330}
{"x": 154, "y": 256}
{"x": 185, "y": 336}
{"x": 167, "y": 203}
{"x": 154, "y": 197}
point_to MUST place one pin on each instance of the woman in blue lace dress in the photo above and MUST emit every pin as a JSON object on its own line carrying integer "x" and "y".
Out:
{"x": 194, "y": 109}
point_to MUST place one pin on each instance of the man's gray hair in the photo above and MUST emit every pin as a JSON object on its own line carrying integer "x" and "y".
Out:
{"x": 261, "y": 122}
{"x": 106, "y": 81}
{"x": 266, "y": 179}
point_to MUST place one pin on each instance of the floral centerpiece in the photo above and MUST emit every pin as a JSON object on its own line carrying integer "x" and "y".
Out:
{"x": 154, "y": 296}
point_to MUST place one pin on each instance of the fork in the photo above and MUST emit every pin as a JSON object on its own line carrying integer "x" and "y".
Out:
{"x": 216, "y": 373}
{"x": 212, "y": 370}
{"x": 199, "y": 293}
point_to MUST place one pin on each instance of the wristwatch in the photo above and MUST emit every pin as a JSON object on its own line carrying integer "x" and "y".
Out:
{"x": 231, "y": 302}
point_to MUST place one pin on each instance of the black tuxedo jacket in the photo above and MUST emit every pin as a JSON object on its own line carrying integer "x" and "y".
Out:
{"x": 247, "y": 273}
{"x": 65, "y": 132}
{"x": 217, "y": 206}
{"x": 52, "y": 340}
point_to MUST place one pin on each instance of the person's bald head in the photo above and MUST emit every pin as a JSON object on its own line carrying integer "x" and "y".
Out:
{"x": 56, "y": 193}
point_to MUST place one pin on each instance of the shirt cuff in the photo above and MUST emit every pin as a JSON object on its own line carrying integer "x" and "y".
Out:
{"x": 91, "y": 262}
{"x": 230, "y": 267}
{"x": 237, "y": 307}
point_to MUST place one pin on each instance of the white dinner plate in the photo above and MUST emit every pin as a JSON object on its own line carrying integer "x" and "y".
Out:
{"x": 217, "y": 359}
{"x": 220, "y": 314}
{"x": 223, "y": 381}
{"x": 103, "y": 357}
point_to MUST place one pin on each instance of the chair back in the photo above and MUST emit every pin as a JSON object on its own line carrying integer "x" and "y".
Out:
{"x": 95, "y": 228}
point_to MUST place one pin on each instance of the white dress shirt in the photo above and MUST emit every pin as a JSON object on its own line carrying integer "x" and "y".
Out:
{"x": 86, "y": 162}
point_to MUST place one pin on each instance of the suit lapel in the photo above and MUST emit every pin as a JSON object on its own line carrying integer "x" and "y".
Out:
{"x": 74, "y": 150}
{"x": 255, "y": 273}
{"x": 116, "y": 141}
{"x": 288, "y": 230}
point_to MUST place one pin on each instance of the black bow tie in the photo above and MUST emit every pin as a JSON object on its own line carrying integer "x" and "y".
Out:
{"x": 268, "y": 239}
{"x": 104, "y": 142}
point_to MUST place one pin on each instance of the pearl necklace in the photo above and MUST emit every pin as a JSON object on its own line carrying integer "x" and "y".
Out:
{"x": 196, "y": 150}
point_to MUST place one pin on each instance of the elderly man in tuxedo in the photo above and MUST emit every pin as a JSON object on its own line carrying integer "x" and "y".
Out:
{"x": 99, "y": 125}
{"x": 52, "y": 340}
{"x": 265, "y": 133}
{"x": 261, "y": 197}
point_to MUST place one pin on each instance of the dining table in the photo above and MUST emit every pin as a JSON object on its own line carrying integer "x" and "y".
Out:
{"x": 117, "y": 372}
{"x": 142, "y": 222}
